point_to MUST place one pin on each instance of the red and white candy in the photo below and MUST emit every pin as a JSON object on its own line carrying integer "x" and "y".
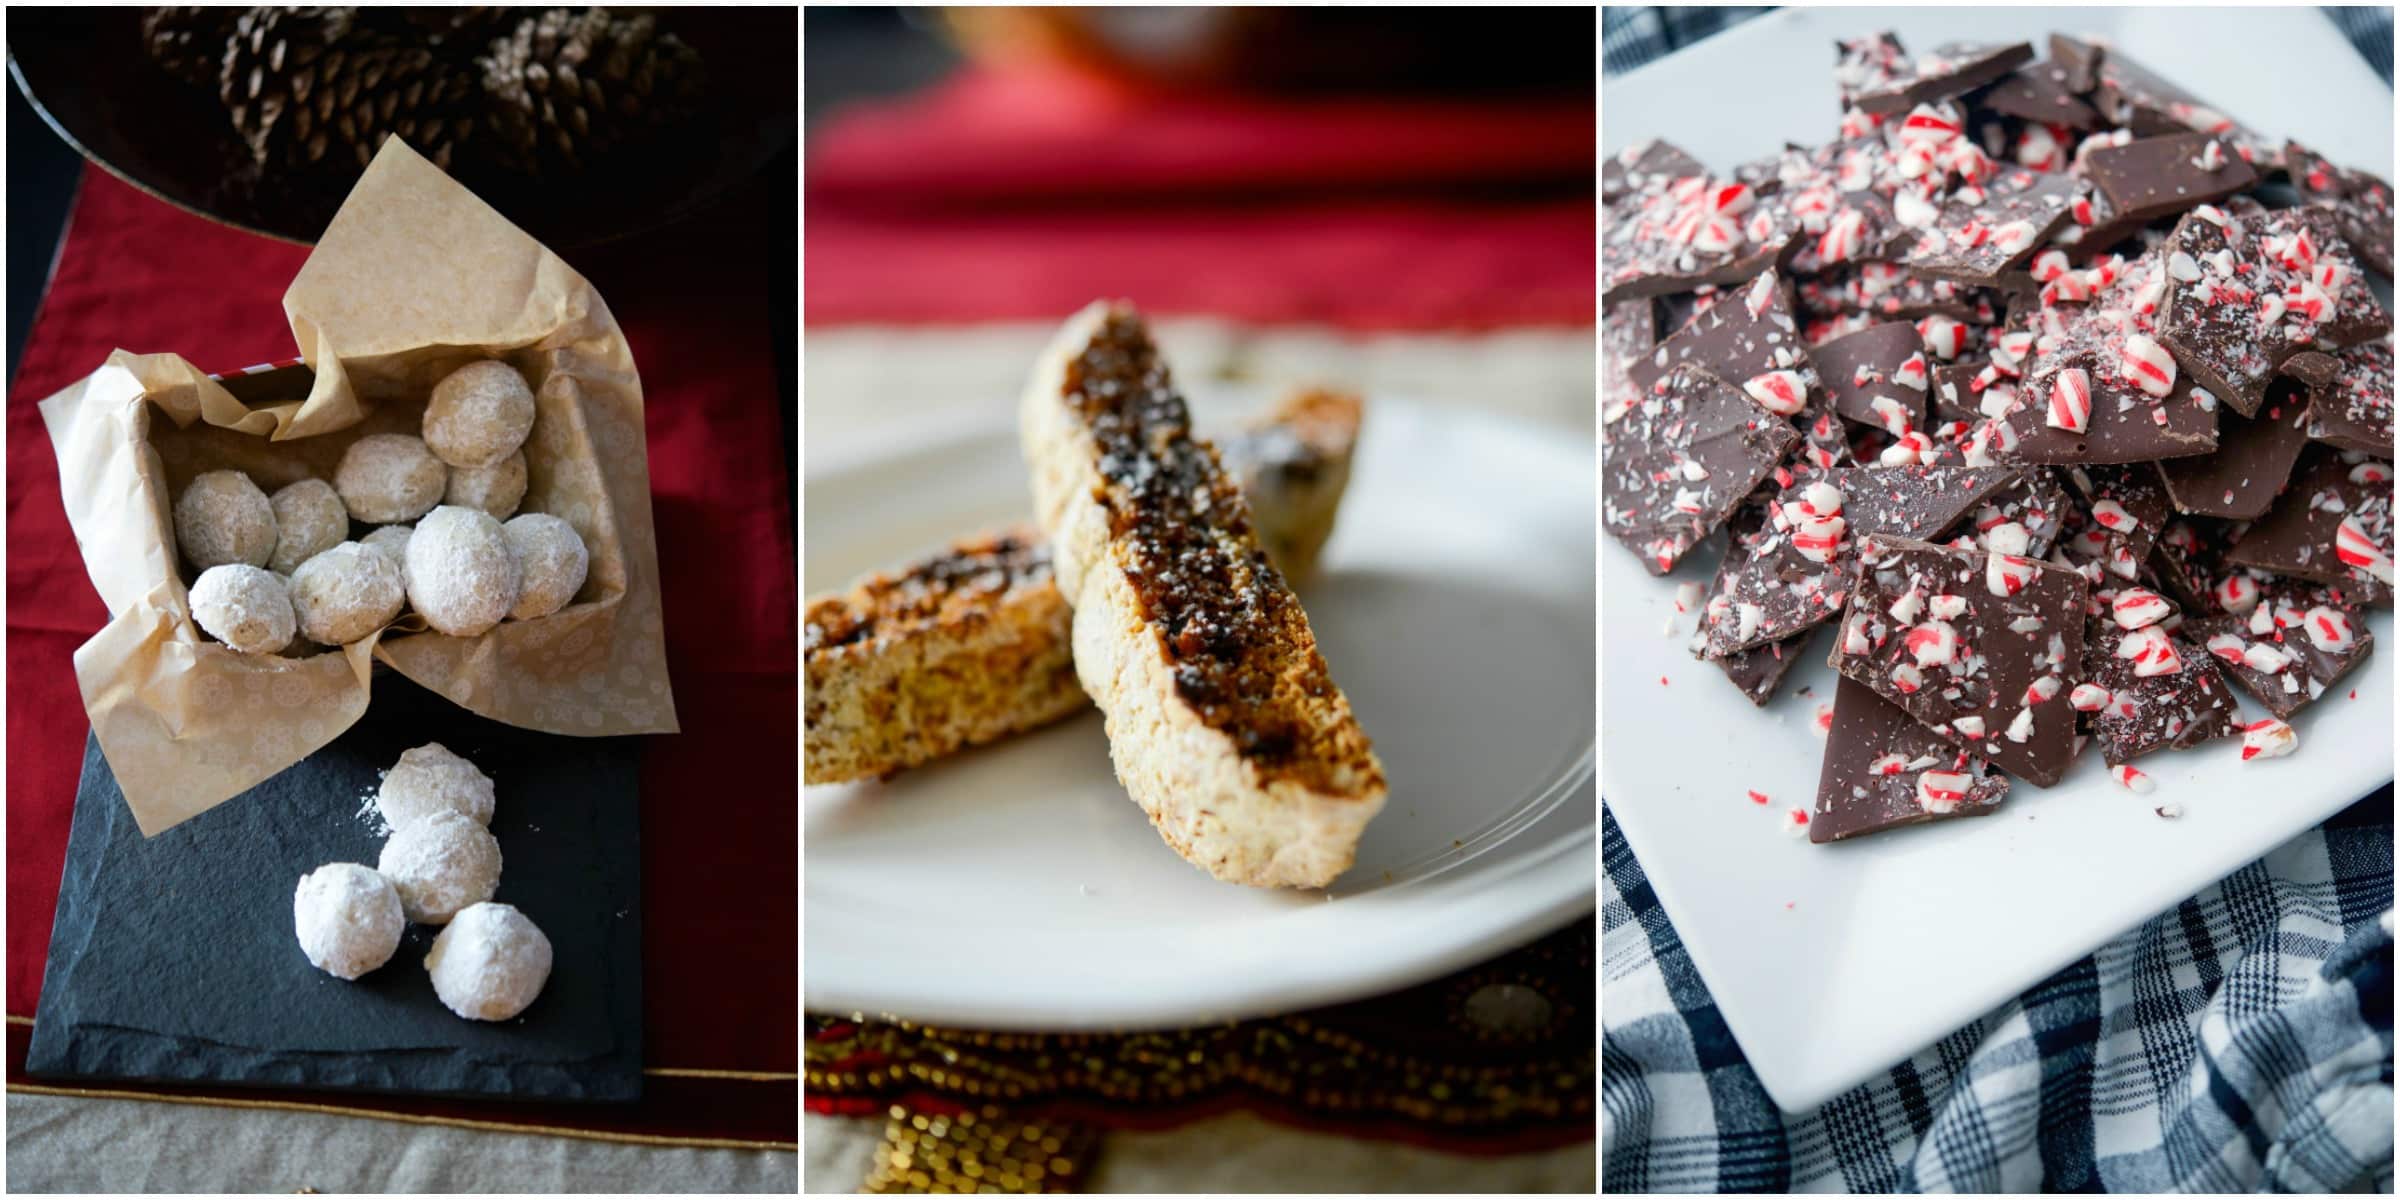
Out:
{"x": 2006, "y": 574}
{"x": 1943, "y": 336}
{"x": 2136, "y": 607}
{"x": 2147, "y": 365}
{"x": 2088, "y": 697}
{"x": 2329, "y": 629}
{"x": 2071, "y": 400}
{"x": 1780, "y": 392}
{"x": 1943, "y": 791}
{"x": 2268, "y": 739}
{"x": 2132, "y": 779}
{"x": 2358, "y": 550}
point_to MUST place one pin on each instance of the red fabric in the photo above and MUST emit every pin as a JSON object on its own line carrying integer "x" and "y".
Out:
{"x": 1024, "y": 195}
{"x": 721, "y": 800}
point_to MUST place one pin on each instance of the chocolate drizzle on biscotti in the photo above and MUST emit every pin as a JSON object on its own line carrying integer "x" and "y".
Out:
{"x": 1239, "y": 644}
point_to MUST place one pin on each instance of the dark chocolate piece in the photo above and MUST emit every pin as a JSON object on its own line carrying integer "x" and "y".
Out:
{"x": 1748, "y": 339}
{"x": 2252, "y": 461}
{"x": 1796, "y": 572}
{"x": 1889, "y": 291}
{"x": 1759, "y": 671}
{"x": 2133, "y": 95}
{"x": 1876, "y": 376}
{"x": 1627, "y": 332}
{"x": 2334, "y": 524}
{"x": 1952, "y": 69}
{"x": 1669, "y": 232}
{"x": 2078, "y": 63}
{"x": 2353, "y": 408}
{"x": 2089, "y": 350}
{"x": 2162, "y": 690}
{"x": 2114, "y": 516}
{"x": 2187, "y": 563}
{"x": 2248, "y": 288}
{"x": 2150, "y": 178}
{"x": 2361, "y": 203}
{"x": 2035, "y": 501}
{"x": 1883, "y": 770}
{"x": 1679, "y": 459}
{"x": 2040, "y": 93}
{"x": 1982, "y": 648}
{"x": 1977, "y": 242}
{"x": 1624, "y": 170}
{"x": 2289, "y": 649}
{"x": 1869, "y": 63}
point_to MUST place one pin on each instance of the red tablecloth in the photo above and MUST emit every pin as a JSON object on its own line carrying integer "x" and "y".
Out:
{"x": 1023, "y": 195}
{"x": 700, "y": 305}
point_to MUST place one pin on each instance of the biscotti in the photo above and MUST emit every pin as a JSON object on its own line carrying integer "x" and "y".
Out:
{"x": 898, "y": 663}
{"x": 1223, "y": 721}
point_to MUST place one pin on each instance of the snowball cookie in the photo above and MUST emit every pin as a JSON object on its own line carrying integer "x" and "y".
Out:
{"x": 309, "y": 520}
{"x": 348, "y": 919}
{"x": 244, "y": 607}
{"x": 222, "y": 517}
{"x": 430, "y": 779}
{"x": 387, "y": 477}
{"x": 462, "y": 577}
{"x": 480, "y": 414}
{"x": 552, "y": 560}
{"x": 441, "y": 863}
{"x": 391, "y": 541}
{"x": 490, "y": 964}
{"x": 345, "y": 594}
{"x": 496, "y": 489}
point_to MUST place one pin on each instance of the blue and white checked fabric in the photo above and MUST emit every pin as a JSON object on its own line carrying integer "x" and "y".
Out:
{"x": 2241, "y": 1042}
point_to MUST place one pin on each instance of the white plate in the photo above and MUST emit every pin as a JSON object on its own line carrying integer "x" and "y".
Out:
{"x": 1831, "y": 963}
{"x": 1017, "y": 886}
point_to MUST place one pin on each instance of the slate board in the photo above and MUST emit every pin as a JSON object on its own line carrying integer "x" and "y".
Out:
{"x": 173, "y": 959}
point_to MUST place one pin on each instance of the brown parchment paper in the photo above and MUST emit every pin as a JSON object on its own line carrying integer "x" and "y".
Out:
{"x": 414, "y": 277}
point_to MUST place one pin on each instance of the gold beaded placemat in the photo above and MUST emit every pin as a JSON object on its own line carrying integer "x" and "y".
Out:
{"x": 1497, "y": 1058}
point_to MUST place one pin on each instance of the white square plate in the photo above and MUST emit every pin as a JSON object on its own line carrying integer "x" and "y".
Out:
{"x": 1831, "y": 963}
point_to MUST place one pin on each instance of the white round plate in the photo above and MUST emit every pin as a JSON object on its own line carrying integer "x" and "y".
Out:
{"x": 1017, "y": 886}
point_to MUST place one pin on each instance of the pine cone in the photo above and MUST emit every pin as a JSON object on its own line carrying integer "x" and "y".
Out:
{"x": 188, "y": 43}
{"x": 569, "y": 86}
{"x": 300, "y": 93}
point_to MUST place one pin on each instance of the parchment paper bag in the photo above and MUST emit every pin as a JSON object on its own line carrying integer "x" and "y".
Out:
{"x": 414, "y": 278}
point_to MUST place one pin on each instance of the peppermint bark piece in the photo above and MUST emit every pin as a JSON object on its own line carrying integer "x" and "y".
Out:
{"x": 1627, "y": 170}
{"x": 1748, "y": 338}
{"x": 1877, "y": 376}
{"x": 2290, "y": 648}
{"x": 2078, "y": 63}
{"x": 1883, "y": 770}
{"x": 1980, "y": 647}
{"x": 2253, "y": 459}
{"x": 2100, "y": 387}
{"x": 1668, "y": 232}
{"x": 2035, "y": 502}
{"x": 1951, "y": 69}
{"x": 2187, "y": 563}
{"x": 1796, "y": 572}
{"x": 2333, "y": 524}
{"x": 2161, "y": 691}
{"x": 2361, "y": 203}
{"x": 1680, "y": 459}
{"x": 2114, "y": 515}
{"x": 2248, "y": 288}
{"x": 1982, "y": 232}
{"x": 1866, "y": 64}
{"x": 2149, "y": 178}
{"x": 1627, "y": 333}
{"x": 2041, "y": 93}
{"x": 2133, "y": 95}
{"x": 2353, "y": 408}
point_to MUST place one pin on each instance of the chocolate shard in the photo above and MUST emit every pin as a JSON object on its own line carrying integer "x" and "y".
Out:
{"x": 1877, "y": 376}
{"x": 1679, "y": 458}
{"x": 2041, "y": 93}
{"x": 1977, "y": 243}
{"x": 2248, "y": 288}
{"x": 1883, "y": 770}
{"x": 1980, "y": 647}
{"x": 2099, "y": 387}
{"x": 2162, "y": 690}
{"x": 2155, "y": 177}
{"x": 2361, "y": 203}
{"x": 2353, "y": 405}
{"x": 2290, "y": 648}
{"x": 1951, "y": 69}
{"x": 2253, "y": 459}
{"x": 2333, "y": 524}
{"x": 1795, "y": 573}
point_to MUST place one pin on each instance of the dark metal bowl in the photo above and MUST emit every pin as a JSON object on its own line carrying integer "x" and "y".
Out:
{"x": 84, "y": 70}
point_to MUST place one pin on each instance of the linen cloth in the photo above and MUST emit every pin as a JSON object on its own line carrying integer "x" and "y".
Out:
{"x": 2241, "y": 1041}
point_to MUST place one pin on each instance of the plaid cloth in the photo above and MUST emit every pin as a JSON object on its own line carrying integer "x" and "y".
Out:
{"x": 1631, "y": 36}
{"x": 2240, "y": 1042}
